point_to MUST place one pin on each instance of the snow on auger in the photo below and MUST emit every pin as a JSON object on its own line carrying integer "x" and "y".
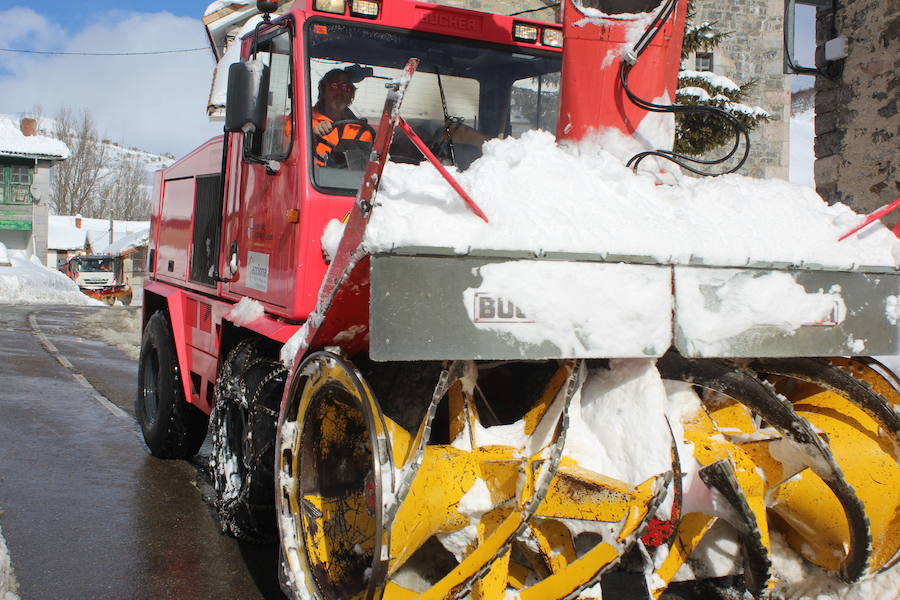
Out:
{"x": 551, "y": 369}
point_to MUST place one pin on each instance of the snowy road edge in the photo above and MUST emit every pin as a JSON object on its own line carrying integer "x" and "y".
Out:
{"x": 54, "y": 352}
{"x": 8, "y": 585}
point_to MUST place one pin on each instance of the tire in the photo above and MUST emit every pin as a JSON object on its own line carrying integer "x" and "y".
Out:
{"x": 248, "y": 395}
{"x": 126, "y": 300}
{"x": 172, "y": 428}
{"x": 110, "y": 300}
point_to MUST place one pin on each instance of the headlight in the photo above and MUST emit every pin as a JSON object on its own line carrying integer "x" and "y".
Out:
{"x": 364, "y": 8}
{"x": 525, "y": 33}
{"x": 552, "y": 37}
{"x": 331, "y": 6}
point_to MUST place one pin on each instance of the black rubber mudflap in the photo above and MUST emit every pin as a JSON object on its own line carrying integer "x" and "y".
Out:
{"x": 743, "y": 385}
{"x": 758, "y": 567}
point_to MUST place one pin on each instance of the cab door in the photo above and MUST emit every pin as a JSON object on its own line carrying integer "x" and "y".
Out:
{"x": 264, "y": 184}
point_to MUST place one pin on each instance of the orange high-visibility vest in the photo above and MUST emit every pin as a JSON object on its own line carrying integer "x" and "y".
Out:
{"x": 326, "y": 143}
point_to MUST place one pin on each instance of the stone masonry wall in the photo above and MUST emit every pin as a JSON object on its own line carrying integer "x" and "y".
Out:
{"x": 857, "y": 120}
{"x": 754, "y": 51}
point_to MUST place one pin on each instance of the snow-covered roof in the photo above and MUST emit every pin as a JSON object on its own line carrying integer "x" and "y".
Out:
{"x": 15, "y": 143}
{"x": 126, "y": 243}
{"x": 63, "y": 234}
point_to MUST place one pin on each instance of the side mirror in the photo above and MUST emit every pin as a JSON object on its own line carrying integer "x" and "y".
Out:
{"x": 248, "y": 90}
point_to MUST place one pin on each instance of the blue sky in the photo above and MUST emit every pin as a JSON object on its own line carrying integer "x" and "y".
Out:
{"x": 76, "y": 14}
{"x": 156, "y": 103}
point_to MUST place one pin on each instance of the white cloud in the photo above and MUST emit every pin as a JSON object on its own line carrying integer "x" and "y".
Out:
{"x": 19, "y": 24}
{"x": 157, "y": 103}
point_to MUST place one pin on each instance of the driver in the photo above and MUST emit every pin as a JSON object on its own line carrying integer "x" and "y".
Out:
{"x": 336, "y": 92}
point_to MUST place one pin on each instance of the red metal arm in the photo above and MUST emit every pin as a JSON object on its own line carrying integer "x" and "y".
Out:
{"x": 874, "y": 217}
{"x": 423, "y": 148}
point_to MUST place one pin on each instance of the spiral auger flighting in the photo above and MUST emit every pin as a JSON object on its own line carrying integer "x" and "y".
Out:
{"x": 374, "y": 510}
{"x": 801, "y": 446}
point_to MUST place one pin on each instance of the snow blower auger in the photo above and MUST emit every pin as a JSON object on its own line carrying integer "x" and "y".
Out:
{"x": 802, "y": 447}
{"x": 371, "y": 510}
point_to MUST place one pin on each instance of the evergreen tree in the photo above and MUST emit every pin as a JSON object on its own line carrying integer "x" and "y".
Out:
{"x": 697, "y": 134}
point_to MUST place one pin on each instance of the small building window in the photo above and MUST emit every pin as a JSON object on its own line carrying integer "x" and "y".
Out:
{"x": 704, "y": 61}
{"x": 15, "y": 184}
{"x": 19, "y": 185}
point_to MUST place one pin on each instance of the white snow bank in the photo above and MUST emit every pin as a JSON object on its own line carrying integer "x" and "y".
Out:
{"x": 541, "y": 197}
{"x": 15, "y": 143}
{"x": 117, "y": 327}
{"x": 8, "y": 585}
{"x": 29, "y": 282}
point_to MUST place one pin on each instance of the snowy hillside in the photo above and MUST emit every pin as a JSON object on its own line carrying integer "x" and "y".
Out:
{"x": 116, "y": 153}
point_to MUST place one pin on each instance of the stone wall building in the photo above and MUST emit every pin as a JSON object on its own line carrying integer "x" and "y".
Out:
{"x": 753, "y": 51}
{"x": 857, "y": 121}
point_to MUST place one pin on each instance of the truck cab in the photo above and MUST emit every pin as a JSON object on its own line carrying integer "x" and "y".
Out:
{"x": 257, "y": 234}
{"x": 100, "y": 277}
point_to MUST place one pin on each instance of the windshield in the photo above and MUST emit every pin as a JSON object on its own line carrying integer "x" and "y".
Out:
{"x": 88, "y": 265}
{"x": 463, "y": 94}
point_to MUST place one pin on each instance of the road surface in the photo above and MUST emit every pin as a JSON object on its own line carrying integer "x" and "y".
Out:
{"x": 85, "y": 510}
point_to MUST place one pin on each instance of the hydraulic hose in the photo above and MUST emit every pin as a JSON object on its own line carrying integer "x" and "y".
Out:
{"x": 682, "y": 160}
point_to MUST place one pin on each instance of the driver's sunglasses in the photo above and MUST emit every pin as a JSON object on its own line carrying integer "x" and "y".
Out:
{"x": 346, "y": 87}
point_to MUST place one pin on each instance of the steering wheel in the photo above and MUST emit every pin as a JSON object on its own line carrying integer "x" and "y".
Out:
{"x": 349, "y": 151}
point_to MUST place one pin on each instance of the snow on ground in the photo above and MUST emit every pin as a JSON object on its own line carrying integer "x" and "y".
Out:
{"x": 26, "y": 281}
{"x": 117, "y": 327}
{"x": 541, "y": 197}
{"x": 802, "y": 153}
{"x": 8, "y": 585}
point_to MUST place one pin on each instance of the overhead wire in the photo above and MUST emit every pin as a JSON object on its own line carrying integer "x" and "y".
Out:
{"x": 54, "y": 53}
{"x": 531, "y": 10}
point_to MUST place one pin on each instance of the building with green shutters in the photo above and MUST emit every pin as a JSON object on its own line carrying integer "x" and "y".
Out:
{"x": 26, "y": 157}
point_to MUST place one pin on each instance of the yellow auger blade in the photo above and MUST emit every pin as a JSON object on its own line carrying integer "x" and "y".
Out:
{"x": 862, "y": 430}
{"x": 732, "y": 472}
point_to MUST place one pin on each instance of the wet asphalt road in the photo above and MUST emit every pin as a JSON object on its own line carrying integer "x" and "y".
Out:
{"x": 87, "y": 513}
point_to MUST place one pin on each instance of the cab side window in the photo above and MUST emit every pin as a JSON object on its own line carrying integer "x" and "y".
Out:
{"x": 274, "y": 143}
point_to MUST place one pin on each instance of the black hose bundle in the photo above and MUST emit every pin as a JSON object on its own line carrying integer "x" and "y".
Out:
{"x": 740, "y": 132}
